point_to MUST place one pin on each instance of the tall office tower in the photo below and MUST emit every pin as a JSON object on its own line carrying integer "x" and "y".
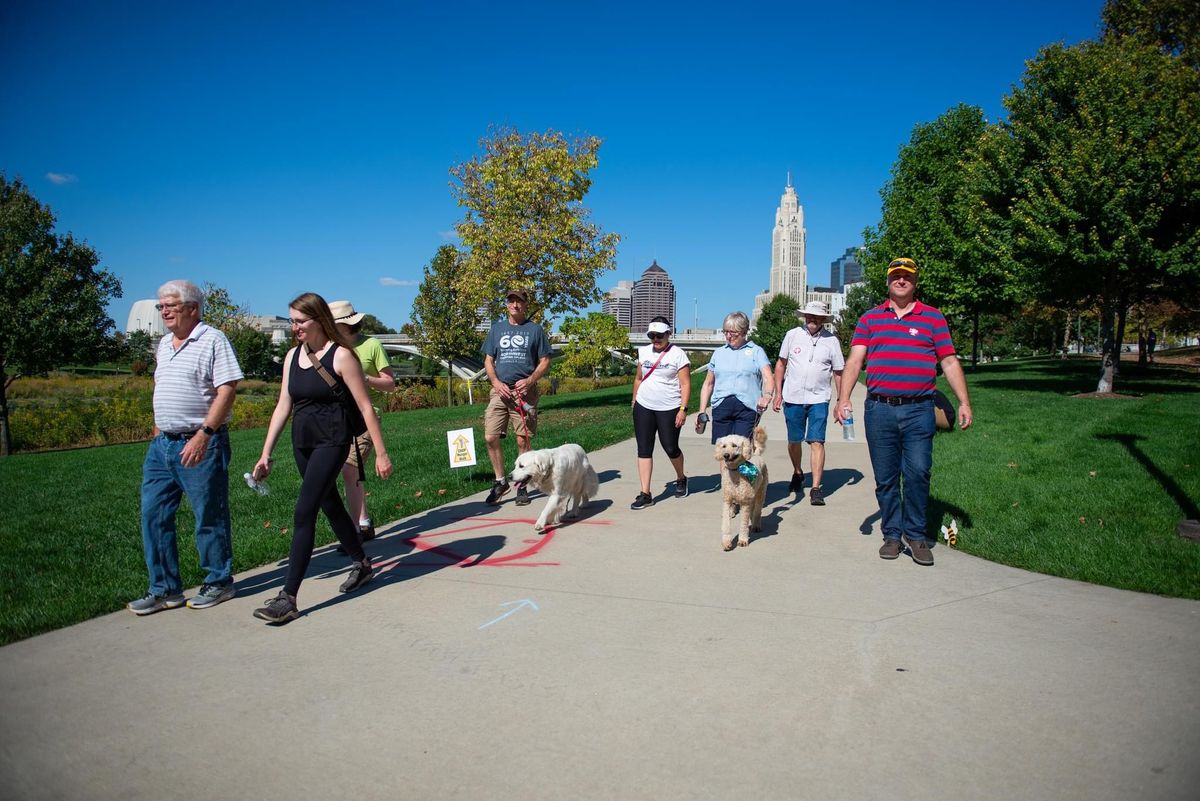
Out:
{"x": 653, "y": 296}
{"x": 618, "y": 302}
{"x": 789, "y": 273}
{"x": 845, "y": 270}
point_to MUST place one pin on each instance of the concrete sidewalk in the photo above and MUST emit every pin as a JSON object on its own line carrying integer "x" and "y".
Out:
{"x": 625, "y": 656}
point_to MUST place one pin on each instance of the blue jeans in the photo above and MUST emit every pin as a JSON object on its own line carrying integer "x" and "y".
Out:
{"x": 164, "y": 482}
{"x": 806, "y": 422}
{"x": 900, "y": 440}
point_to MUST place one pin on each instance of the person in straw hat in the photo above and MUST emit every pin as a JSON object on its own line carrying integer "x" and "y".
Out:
{"x": 378, "y": 371}
{"x": 809, "y": 369}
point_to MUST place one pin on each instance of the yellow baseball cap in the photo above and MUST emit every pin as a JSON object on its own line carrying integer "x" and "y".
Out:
{"x": 902, "y": 266}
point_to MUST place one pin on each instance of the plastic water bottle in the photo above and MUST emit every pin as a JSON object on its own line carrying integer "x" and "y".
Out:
{"x": 258, "y": 486}
{"x": 848, "y": 429}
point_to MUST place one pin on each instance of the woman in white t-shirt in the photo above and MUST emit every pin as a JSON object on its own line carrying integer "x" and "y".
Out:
{"x": 661, "y": 390}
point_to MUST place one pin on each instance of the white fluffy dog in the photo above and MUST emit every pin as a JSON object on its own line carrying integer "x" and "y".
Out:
{"x": 564, "y": 473}
{"x": 743, "y": 484}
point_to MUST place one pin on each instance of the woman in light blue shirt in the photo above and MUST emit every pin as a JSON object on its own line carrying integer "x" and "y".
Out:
{"x": 739, "y": 382}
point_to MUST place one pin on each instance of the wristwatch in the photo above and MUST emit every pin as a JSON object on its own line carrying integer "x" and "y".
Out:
{"x": 207, "y": 429}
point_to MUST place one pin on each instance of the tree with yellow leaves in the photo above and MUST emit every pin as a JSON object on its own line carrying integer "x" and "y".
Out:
{"x": 526, "y": 224}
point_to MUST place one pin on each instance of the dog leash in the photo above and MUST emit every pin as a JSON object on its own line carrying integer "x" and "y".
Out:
{"x": 520, "y": 399}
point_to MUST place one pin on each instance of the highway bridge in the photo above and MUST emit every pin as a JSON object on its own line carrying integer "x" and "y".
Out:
{"x": 471, "y": 369}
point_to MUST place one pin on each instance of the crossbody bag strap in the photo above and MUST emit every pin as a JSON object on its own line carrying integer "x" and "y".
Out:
{"x": 321, "y": 371}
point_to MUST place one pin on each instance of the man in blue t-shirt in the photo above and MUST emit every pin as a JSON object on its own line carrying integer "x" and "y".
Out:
{"x": 516, "y": 354}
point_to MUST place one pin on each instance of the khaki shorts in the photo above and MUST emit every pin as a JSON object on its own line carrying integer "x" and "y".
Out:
{"x": 365, "y": 446}
{"x": 500, "y": 413}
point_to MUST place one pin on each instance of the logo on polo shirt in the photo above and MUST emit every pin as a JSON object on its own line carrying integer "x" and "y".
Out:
{"x": 912, "y": 332}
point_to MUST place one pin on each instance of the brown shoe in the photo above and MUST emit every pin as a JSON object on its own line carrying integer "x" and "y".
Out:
{"x": 920, "y": 551}
{"x": 890, "y": 549}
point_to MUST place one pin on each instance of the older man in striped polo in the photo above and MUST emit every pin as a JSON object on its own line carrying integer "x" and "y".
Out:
{"x": 902, "y": 342}
{"x": 195, "y": 382}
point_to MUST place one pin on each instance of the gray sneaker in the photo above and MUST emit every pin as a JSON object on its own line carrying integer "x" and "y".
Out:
{"x": 279, "y": 610}
{"x": 211, "y": 595}
{"x": 499, "y": 487}
{"x": 360, "y": 573}
{"x": 151, "y": 603}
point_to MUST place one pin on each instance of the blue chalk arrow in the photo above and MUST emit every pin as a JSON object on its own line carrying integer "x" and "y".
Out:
{"x": 516, "y": 606}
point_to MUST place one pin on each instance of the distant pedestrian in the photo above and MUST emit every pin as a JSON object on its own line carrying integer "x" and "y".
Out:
{"x": 902, "y": 342}
{"x": 809, "y": 369}
{"x": 516, "y": 354}
{"x": 321, "y": 438}
{"x": 1151, "y": 343}
{"x": 661, "y": 388}
{"x": 195, "y": 383}
{"x": 739, "y": 381}
{"x": 380, "y": 377}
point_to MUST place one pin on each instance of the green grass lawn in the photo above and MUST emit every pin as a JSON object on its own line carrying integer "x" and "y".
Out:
{"x": 1079, "y": 487}
{"x": 1085, "y": 488}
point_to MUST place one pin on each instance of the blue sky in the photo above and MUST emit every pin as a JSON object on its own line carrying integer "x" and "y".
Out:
{"x": 275, "y": 148}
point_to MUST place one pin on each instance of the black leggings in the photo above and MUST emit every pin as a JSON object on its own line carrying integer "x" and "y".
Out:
{"x": 319, "y": 468}
{"x": 646, "y": 422}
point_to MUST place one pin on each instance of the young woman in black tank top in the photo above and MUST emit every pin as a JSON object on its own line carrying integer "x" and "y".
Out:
{"x": 321, "y": 440}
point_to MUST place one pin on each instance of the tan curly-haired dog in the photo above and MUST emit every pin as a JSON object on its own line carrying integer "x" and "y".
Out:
{"x": 738, "y": 491}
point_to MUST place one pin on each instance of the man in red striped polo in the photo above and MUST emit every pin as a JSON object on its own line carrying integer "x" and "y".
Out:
{"x": 902, "y": 342}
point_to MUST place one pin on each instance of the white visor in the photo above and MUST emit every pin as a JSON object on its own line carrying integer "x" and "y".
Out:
{"x": 658, "y": 328}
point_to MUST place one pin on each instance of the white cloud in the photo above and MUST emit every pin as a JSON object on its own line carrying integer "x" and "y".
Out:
{"x": 449, "y": 236}
{"x": 61, "y": 178}
{"x": 385, "y": 281}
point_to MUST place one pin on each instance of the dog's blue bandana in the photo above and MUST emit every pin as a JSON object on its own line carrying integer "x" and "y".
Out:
{"x": 749, "y": 471}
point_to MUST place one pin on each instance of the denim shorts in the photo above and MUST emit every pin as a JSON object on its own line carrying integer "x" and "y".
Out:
{"x": 806, "y": 422}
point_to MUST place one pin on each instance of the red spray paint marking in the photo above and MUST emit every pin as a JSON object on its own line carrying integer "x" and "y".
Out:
{"x": 511, "y": 560}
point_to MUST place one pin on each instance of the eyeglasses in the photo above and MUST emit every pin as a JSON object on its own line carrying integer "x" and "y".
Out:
{"x": 295, "y": 323}
{"x": 657, "y": 336}
{"x": 729, "y": 333}
{"x": 171, "y": 306}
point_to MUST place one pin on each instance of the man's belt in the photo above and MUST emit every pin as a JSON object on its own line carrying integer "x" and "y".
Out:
{"x": 175, "y": 436}
{"x": 899, "y": 400}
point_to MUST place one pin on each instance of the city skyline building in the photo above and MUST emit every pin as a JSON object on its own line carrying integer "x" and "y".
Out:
{"x": 618, "y": 302}
{"x": 789, "y": 272}
{"x": 653, "y": 296}
{"x": 846, "y": 269}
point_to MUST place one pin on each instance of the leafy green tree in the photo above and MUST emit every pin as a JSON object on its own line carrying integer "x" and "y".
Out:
{"x": 373, "y": 325}
{"x": 443, "y": 319}
{"x": 928, "y": 216}
{"x": 780, "y": 315}
{"x": 1172, "y": 26}
{"x": 859, "y": 298}
{"x": 590, "y": 342}
{"x": 1106, "y": 147}
{"x": 220, "y": 309}
{"x": 525, "y": 223}
{"x": 254, "y": 351}
{"x": 53, "y": 297}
